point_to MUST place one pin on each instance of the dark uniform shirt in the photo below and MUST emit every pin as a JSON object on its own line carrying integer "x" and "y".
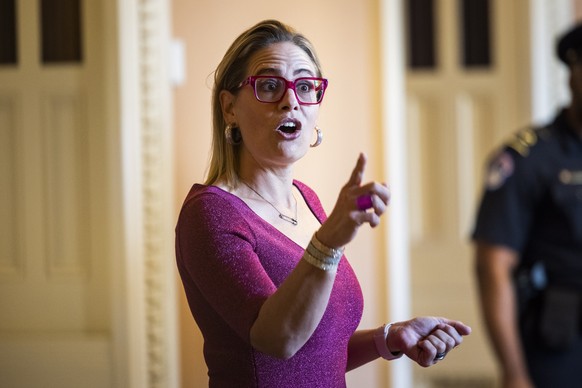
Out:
{"x": 533, "y": 201}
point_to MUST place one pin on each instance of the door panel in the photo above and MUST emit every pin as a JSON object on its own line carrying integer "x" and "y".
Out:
{"x": 54, "y": 297}
{"x": 456, "y": 116}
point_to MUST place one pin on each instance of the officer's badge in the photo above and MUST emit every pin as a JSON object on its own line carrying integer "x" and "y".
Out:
{"x": 500, "y": 169}
{"x": 523, "y": 140}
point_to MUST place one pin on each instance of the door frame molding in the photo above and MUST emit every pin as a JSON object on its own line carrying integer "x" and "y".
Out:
{"x": 393, "y": 119}
{"x": 140, "y": 138}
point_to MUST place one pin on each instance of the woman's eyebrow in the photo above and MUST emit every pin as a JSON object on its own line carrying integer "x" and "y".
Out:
{"x": 302, "y": 71}
{"x": 267, "y": 70}
{"x": 272, "y": 70}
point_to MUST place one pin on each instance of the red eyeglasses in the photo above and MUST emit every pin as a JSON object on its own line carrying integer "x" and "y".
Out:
{"x": 268, "y": 88}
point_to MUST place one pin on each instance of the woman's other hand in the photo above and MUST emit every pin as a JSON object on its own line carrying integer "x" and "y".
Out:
{"x": 426, "y": 340}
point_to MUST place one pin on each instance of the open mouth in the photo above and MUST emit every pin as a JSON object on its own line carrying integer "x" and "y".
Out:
{"x": 289, "y": 127}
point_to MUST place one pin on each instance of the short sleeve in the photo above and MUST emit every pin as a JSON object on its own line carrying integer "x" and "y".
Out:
{"x": 508, "y": 202}
{"x": 217, "y": 261}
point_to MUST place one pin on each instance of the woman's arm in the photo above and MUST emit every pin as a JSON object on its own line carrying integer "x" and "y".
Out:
{"x": 288, "y": 317}
{"x": 361, "y": 349}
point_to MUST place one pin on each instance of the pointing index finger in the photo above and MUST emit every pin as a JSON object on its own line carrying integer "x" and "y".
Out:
{"x": 358, "y": 172}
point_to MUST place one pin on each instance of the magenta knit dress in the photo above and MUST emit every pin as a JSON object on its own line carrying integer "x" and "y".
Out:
{"x": 230, "y": 260}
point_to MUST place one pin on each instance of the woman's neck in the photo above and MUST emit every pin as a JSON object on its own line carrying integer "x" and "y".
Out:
{"x": 274, "y": 183}
{"x": 271, "y": 187}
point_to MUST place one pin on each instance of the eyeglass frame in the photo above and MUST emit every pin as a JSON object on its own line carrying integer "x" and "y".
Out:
{"x": 251, "y": 80}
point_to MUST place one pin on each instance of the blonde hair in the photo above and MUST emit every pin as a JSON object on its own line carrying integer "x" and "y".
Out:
{"x": 230, "y": 72}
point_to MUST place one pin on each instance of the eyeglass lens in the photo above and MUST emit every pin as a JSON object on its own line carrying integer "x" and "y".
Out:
{"x": 272, "y": 89}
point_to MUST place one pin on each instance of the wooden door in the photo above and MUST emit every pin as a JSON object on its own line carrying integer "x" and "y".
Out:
{"x": 463, "y": 100}
{"x": 55, "y": 329}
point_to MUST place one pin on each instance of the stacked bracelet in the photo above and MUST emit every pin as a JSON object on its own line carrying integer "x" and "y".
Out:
{"x": 381, "y": 341}
{"x": 336, "y": 253}
{"x": 322, "y": 256}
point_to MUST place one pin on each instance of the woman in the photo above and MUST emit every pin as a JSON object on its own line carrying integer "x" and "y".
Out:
{"x": 262, "y": 266}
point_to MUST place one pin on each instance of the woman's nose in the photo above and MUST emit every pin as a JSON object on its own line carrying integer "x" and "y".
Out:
{"x": 289, "y": 100}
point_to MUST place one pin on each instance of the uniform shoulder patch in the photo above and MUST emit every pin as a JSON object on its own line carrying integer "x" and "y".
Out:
{"x": 523, "y": 140}
{"x": 500, "y": 168}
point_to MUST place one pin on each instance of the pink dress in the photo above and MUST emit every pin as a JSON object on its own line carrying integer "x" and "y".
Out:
{"x": 231, "y": 260}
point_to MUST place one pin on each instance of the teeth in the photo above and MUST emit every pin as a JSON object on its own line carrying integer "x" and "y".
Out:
{"x": 290, "y": 125}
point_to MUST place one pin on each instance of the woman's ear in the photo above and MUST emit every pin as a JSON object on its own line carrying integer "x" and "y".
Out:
{"x": 227, "y": 100}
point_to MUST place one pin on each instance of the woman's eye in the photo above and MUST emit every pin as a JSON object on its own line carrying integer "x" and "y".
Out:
{"x": 269, "y": 85}
{"x": 304, "y": 87}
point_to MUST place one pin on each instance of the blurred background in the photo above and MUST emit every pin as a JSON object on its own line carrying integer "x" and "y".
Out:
{"x": 105, "y": 125}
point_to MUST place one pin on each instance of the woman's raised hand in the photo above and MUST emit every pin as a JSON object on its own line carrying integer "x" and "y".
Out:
{"x": 357, "y": 204}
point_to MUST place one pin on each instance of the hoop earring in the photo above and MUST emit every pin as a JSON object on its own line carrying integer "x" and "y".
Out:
{"x": 232, "y": 135}
{"x": 319, "y": 138}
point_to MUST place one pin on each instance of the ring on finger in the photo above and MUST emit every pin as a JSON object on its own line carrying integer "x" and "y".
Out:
{"x": 364, "y": 202}
{"x": 440, "y": 356}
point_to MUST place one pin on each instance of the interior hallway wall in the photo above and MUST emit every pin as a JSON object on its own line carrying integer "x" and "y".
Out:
{"x": 345, "y": 35}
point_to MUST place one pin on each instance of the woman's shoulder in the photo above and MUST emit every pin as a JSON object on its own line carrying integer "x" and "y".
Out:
{"x": 212, "y": 200}
{"x": 199, "y": 190}
{"x": 209, "y": 193}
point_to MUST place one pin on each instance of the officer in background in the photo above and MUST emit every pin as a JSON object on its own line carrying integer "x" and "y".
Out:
{"x": 528, "y": 245}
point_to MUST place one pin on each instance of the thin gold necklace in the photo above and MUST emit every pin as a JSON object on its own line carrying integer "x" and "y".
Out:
{"x": 281, "y": 215}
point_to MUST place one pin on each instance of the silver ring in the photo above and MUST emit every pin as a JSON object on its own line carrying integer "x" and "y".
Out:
{"x": 440, "y": 356}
